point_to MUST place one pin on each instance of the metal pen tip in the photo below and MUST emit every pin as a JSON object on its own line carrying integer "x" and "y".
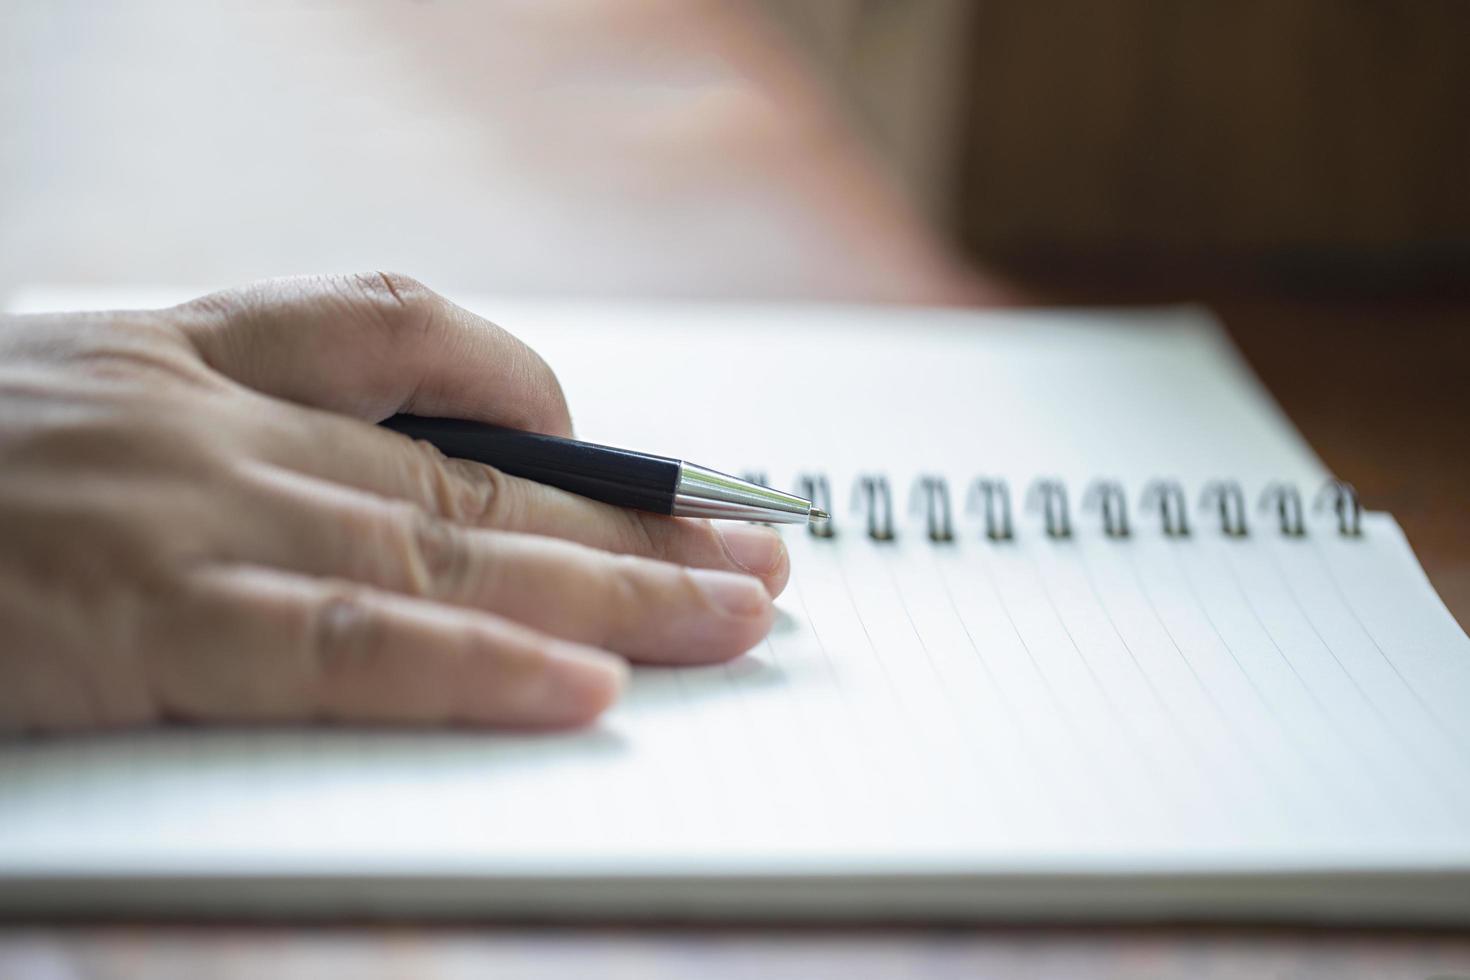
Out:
{"x": 816, "y": 514}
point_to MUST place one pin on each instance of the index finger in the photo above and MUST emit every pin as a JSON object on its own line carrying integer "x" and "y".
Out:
{"x": 385, "y": 463}
{"x": 372, "y": 345}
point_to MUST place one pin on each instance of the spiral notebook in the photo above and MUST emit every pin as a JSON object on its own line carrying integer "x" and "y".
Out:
{"x": 1093, "y": 635}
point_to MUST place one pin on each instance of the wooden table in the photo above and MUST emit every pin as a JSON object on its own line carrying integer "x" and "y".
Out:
{"x": 616, "y": 147}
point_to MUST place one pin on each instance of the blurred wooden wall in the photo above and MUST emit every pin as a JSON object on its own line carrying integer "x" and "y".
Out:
{"x": 1318, "y": 135}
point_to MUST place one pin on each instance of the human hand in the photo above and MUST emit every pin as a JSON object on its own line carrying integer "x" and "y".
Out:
{"x": 201, "y": 523}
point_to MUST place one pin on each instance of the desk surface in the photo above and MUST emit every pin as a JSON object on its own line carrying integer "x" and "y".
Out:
{"x": 615, "y": 147}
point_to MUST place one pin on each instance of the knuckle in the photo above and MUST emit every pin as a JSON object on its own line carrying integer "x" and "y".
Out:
{"x": 404, "y": 306}
{"x": 481, "y": 495}
{"x": 401, "y": 288}
{"x": 436, "y": 559}
{"x": 345, "y": 635}
{"x": 463, "y": 491}
{"x": 425, "y": 468}
{"x": 628, "y": 600}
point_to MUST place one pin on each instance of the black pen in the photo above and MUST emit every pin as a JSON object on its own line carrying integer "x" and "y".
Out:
{"x": 615, "y": 476}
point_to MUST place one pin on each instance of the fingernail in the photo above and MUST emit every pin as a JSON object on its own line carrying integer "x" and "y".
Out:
{"x": 756, "y": 549}
{"x": 738, "y": 595}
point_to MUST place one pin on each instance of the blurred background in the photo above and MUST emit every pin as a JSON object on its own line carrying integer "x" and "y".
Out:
{"x": 736, "y": 147}
{"x": 1310, "y": 138}
{"x": 1300, "y": 165}
{"x": 586, "y": 146}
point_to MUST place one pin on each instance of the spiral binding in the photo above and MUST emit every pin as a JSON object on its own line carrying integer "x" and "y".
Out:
{"x": 873, "y": 496}
{"x": 1345, "y": 503}
{"x": 994, "y": 498}
{"x": 1107, "y": 496}
{"x": 1227, "y": 496}
{"x": 1168, "y": 497}
{"x": 1050, "y": 497}
{"x": 932, "y": 494}
{"x": 990, "y": 499}
{"x": 1288, "y": 504}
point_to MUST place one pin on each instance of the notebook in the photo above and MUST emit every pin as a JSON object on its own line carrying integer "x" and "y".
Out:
{"x": 1080, "y": 647}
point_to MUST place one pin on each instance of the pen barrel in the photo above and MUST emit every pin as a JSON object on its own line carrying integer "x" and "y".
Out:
{"x": 614, "y": 476}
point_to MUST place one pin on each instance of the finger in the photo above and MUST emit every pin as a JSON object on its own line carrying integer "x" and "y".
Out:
{"x": 385, "y": 463}
{"x": 259, "y": 645}
{"x": 370, "y": 346}
{"x": 640, "y": 608}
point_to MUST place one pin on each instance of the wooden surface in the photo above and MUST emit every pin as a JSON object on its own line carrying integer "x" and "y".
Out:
{"x": 1234, "y": 126}
{"x": 614, "y": 147}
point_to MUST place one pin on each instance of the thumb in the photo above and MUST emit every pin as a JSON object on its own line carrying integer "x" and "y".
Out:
{"x": 372, "y": 345}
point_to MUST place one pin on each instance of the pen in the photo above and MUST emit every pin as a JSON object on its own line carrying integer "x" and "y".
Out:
{"x": 615, "y": 476}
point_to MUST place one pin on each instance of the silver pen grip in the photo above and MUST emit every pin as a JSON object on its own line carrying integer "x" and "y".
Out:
{"x": 703, "y": 492}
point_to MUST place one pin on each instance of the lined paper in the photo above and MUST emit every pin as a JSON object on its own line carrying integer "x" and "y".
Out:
{"x": 1205, "y": 704}
{"x": 1172, "y": 703}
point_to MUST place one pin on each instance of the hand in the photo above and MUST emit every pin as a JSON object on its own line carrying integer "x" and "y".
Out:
{"x": 199, "y": 521}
